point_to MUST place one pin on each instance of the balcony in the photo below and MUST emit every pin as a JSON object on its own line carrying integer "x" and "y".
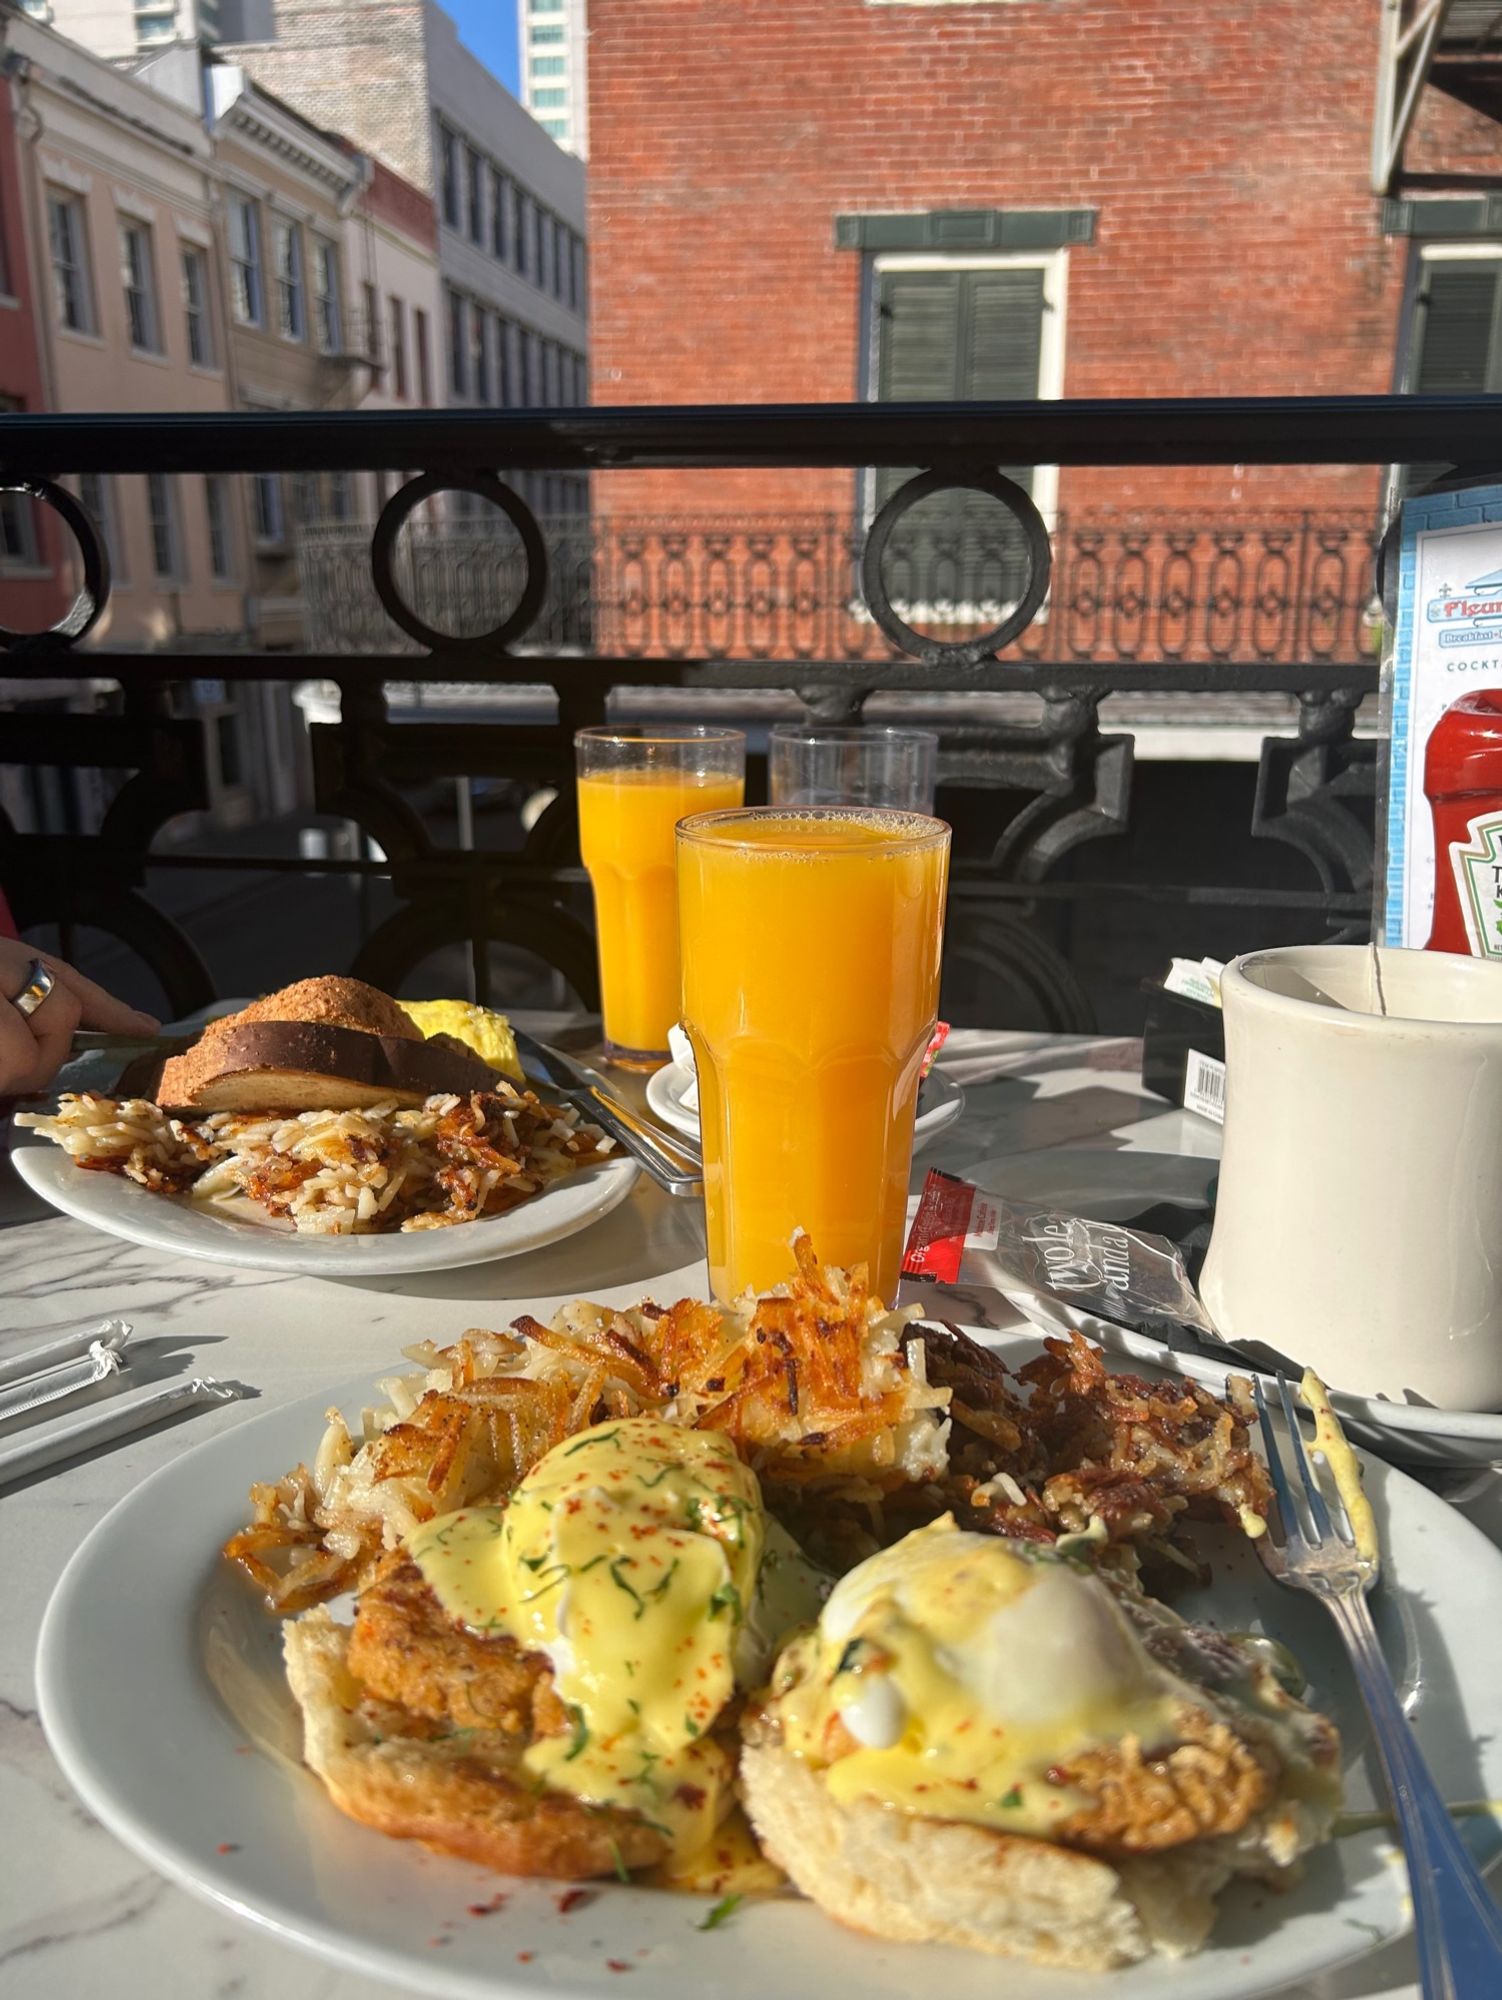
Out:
{"x": 450, "y": 660}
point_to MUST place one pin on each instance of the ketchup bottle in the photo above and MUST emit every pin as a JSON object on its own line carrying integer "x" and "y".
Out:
{"x": 1463, "y": 784}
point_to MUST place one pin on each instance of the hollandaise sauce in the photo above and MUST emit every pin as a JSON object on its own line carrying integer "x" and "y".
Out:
{"x": 630, "y": 1556}
{"x": 952, "y": 1674}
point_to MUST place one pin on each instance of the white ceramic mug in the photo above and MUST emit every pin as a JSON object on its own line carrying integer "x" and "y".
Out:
{"x": 1358, "y": 1225}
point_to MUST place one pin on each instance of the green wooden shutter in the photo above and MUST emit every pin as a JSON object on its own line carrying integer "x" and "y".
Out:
{"x": 1459, "y": 348}
{"x": 957, "y": 336}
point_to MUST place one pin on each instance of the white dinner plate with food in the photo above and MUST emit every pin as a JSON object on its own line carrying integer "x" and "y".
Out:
{"x": 1120, "y": 1187}
{"x": 237, "y": 1233}
{"x": 670, "y": 1097}
{"x": 163, "y": 1698}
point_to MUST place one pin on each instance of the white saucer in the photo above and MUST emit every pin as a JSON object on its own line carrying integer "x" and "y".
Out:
{"x": 940, "y": 1102}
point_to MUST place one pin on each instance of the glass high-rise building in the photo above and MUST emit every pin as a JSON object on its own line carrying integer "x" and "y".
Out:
{"x": 554, "y": 69}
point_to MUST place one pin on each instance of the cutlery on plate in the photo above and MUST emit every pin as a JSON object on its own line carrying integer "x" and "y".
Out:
{"x": 1457, "y": 1925}
{"x": 666, "y": 1157}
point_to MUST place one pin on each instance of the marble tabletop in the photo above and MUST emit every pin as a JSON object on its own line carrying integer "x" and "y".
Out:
{"x": 80, "y": 1916}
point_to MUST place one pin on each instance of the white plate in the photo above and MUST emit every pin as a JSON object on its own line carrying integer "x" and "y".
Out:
{"x": 1115, "y": 1187}
{"x": 163, "y": 1700}
{"x": 940, "y": 1101}
{"x": 193, "y": 1229}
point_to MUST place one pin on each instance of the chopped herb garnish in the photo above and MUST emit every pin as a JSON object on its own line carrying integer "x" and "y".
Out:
{"x": 722, "y": 1912}
{"x": 559, "y": 1573}
{"x": 593, "y": 1563}
{"x": 726, "y": 1598}
{"x": 623, "y": 1873}
{"x": 650, "y": 1483}
{"x": 660, "y": 1589}
{"x": 850, "y": 1658}
{"x": 688, "y": 1722}
{"x": 621, "y": 1584}
{"x": 1012, "y": 1798}
{"x": 633, "y": 1705}
{"x": 603, "y": 1438}
{"x": 533, "y": 1563}
{"x": 580, "y": 1736}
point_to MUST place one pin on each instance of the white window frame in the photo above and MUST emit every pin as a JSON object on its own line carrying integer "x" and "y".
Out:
{"x": 247, "y": 262}
{"x": 1054, "y": 264}
{"x": 107, "y": 515}
{"x": 290, "y": 280}
{"x": 328, "y": 321}
{"x": 198, "y": 311}
{"x": 176, "y": 572}
{"x": 268, "y": 521}
{"x": 138, "y": 284}
{"x": 71, "y": 203}
{"x": 218, "y": 516}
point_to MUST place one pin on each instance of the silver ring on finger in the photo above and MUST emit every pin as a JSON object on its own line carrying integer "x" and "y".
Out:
{"x": 39, "y": 983}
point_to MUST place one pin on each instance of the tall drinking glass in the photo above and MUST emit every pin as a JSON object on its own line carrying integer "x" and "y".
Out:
{"x": 811, "y": 945}
{"x": 810, "y": 765}
{"x": 634, "y": 787}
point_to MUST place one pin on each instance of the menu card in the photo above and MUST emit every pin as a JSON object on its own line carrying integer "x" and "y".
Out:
{"x": 1445, "y": 642}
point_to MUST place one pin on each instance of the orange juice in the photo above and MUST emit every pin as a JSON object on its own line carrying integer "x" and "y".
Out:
{"x": 626, "y": 826}
{"x": 811, "y": 946}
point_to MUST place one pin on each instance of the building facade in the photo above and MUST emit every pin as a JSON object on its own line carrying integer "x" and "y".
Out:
{"x": 553, "y": 38}
{"x": 510, "y": 202}
{"x": 1008, "y": 200}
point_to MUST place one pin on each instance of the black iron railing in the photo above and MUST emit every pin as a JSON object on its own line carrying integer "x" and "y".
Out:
{"x": 1227, "y": 608}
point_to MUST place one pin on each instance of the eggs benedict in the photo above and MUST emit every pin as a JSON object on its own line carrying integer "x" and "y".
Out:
{"x": 979, "y": 1743}
{"x": 586, "y": 1642}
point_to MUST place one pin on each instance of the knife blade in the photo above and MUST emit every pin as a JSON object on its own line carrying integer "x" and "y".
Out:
{"x": 666, "y": 1158}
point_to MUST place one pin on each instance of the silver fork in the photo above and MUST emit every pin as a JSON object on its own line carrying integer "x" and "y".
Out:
{"x": 1457, "y": 1926}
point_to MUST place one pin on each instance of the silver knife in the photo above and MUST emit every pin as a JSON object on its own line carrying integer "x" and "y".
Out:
{"x": 672, "y": 1163}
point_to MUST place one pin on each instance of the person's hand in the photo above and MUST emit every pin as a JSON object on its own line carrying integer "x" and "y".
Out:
{"x": 34, "y": 1047}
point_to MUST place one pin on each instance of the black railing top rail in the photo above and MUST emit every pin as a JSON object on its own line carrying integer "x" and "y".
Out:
{"x": 1168, "y": 431}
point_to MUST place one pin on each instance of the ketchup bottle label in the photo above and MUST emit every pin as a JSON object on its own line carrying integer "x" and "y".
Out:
{"x": 1477, "y": 863}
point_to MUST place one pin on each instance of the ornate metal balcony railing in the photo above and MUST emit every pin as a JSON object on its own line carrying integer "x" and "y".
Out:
{"x": 1150, "y": 586}
{"x": 1034, "y": 800}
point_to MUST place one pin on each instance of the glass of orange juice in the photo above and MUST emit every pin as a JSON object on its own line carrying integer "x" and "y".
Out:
{"x": 634, "y": 787}
{"x": 811, "y": 946}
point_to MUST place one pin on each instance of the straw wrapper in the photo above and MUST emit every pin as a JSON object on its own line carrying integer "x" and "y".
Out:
{"x": 105, "y": 1422}
{"x": 65, "y": 1378}
{"x": 28, "y": 1361}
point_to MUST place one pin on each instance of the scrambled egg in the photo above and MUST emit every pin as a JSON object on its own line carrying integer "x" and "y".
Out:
{"x": 479, "y": 1028}
{"x": 638, "y": 1559}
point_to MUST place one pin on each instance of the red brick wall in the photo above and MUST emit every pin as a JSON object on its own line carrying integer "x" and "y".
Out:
{"x": 1238, "y": 247}
{"x": 398, "y": 202}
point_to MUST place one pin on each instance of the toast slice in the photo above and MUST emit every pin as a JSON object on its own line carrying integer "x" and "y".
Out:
{"x": 292, "y": 1066}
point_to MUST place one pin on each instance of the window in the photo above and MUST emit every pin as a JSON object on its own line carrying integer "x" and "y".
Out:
{"x": 1457, "y": 335}
{"x": 458, "y": 373}
{"x": 500, "y": 204}
{"x": 479, "y": 350}
{"x": 196, "y": 311}
{"x": 549, "y": 373}
{"x": 245, "y": 260}
{"x": 96, "y": 492}
{"x": 266, "y": 499}
{"x": 216, "y": 513}
{"x": 70, "y": 262}
{"x": 505, "y": 365}
{"x": 581, "y": 268}
{"x": 549, "y": 65}
{"x": 550, "y": 100}
{"x": 547, "y": 246}
{"x": 424, "y": 365}
{"x": 304, "y": 498}
{"x": 138, "y": 276}
{"x": 544, "y": 6}
{"x": 398, "y": 316}
{"x": 526, "y": 221}
{"x": 556, "y": 128}
{"x": 161, "y": 514}
{"x": 227, "y": 737}
{"x": 474, "y": 187}
{"x": 18, "y": 525}
{"x": 327, "y": 317}
{"x": 448, "y": 146}
{"x": 339, "y": 496}
{"x": 953, "y": 330}
{"x": 548, "y": 36}
{"x": 290, "y": 321}
{"x": 531, "y": 379}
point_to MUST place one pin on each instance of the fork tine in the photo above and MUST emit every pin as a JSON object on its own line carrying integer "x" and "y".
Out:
{"x": 1324, "y": 1528}
{"x": 1292, "y": 1530}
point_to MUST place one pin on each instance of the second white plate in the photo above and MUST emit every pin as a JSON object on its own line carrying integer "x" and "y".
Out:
{"x": 940, "y": 1102}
